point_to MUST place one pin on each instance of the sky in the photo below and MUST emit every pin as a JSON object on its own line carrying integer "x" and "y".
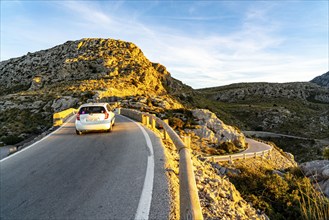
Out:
{"x": 201, "y": 43}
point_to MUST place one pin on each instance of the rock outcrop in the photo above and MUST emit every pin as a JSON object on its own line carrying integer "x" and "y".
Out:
{"x": 322, "y": 80}
{"x": 216, "y": 130}
{"x": 318, "y": 172}
{"x": 218, "y": 196}
{"x": 64, "y": 103}
{"x": 86, "y": 59}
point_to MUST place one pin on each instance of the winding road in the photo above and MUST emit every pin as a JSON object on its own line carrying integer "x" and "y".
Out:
{"x": 117, "y": 175}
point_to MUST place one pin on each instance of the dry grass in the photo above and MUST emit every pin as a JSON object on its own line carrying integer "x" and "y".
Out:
{"x": 313, "y": 204}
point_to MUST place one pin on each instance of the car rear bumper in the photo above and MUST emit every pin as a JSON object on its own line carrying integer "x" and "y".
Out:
{"x": 92, "y": 127}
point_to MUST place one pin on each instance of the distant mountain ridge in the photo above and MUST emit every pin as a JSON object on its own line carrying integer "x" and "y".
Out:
{"x": 248, "y": 91}
{"x": 299, "y": 108}
{"x": 322, "y": 80}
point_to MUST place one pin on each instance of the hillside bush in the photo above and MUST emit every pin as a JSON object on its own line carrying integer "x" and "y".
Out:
{"x": 228, "y": 147}
{"x": 18, "y": 122}
{"x": 11, "y": 139}
{"x": 326, "y": 153}
{"x": 289, "y": 197}
{"x": 176, "y": 123}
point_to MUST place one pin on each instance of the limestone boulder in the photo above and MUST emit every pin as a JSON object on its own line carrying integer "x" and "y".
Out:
{"x": 318, "y": 172}
{"x": 63, "y": 103}
{"x": 216, "y": 130}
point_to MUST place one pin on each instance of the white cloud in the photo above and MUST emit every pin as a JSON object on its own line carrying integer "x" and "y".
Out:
{"x": 241, "y": 56}
{"x": 87, "y": 12}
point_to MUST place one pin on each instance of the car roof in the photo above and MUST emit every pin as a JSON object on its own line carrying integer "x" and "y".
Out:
{"x": 93, "y": 104}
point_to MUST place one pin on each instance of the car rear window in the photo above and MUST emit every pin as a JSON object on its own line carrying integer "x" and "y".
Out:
{"x": 92, "y": 109}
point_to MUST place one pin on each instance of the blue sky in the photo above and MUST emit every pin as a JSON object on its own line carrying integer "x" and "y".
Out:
{"x": 202, "y": 43}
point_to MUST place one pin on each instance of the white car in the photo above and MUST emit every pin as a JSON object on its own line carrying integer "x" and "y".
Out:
{"x": 94, "y": 117}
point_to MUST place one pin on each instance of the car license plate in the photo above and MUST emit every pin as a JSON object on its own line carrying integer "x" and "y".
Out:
{"x": 93, "y": 119}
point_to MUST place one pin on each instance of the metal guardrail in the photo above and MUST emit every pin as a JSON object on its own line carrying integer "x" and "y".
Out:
{"x": 232, "y": 157}
{"x": 190, "y": 207}
{"x": 59, "y": 117}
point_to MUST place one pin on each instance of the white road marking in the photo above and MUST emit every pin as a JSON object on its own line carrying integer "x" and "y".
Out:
{"x": 145, "y": 200}
{"x": 35, "y": 143}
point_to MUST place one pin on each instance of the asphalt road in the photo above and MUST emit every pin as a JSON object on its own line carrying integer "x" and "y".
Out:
{"x": 255, "y": 146}
{"x": 93, "y": 176}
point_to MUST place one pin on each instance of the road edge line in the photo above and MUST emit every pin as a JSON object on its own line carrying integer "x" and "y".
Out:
{"x": 33, "y": 144}
{"x": 145, "y": 200}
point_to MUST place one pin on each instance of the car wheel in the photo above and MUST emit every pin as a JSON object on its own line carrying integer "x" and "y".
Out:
{"x": 110, "y": 129}
{"x": 78, "y": 132}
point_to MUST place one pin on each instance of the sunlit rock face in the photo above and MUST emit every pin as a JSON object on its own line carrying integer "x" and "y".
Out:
{"x": 87, "y": 59}
{"x": 34, "y": 86}
{"x": 216, "y": 130}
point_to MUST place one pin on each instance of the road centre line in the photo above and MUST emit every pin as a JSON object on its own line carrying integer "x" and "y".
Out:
{"x": 145, "y": 200}
{"x": 35, "y": 143}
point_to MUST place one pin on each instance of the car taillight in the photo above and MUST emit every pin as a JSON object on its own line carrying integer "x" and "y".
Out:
{"x": 107, "y": 115}
{"x": 78, "y": 117}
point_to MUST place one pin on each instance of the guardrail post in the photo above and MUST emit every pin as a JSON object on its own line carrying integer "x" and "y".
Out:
{"x": 255, "y": 154}
{"x": 143, "y": 119}
{"x": 263, "y": 155}
{"x": 231, "y": 159}
{"x": 147, "y": 120}
{"x": 187, "y": 141}
{"x": 57, "y": 120}
{"x": 153, "y": 122}
{"x": 165, "y": 134}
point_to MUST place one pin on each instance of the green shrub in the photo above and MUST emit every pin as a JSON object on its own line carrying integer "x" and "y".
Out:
{"x": 11, "y": 140}
{"x": 229, "y": 147}
{"x": 176, "y": 123}
{"x": 326, "y": 153}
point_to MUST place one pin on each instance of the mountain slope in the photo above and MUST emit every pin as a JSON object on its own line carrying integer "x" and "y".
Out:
{"x": 36, "y": 85}
{"x": 322, "y": 80}
{"x": 298, "y": 109}
{"x": 87, "y": 59}
{"x": 290, "y": 108}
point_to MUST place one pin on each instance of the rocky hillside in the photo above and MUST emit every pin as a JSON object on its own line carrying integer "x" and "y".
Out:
{"x": 322, "y": 80}
{"x": 302, "y": 91}
{"x": 36, "y": 85}
{"x": 87, "y": 59}
{"x": 300, "y": 109}
{"x": 297, "y": 109}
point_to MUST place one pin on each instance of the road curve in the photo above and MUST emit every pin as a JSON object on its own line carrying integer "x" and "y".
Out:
{"x": 255, "y": 146}
{"x": 93, "y": 176}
